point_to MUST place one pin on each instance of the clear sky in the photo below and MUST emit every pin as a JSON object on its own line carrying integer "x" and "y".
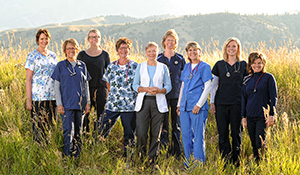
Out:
{"x": 35, "y": 13}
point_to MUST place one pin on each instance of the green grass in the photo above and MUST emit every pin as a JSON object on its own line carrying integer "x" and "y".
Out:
{"x": 20, "y": 155}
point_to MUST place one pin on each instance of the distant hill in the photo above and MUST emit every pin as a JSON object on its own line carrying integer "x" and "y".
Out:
{"x": 201, "y": 28}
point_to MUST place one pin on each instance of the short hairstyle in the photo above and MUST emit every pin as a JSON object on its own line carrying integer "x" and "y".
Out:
{"x": 151, "y": 44}
{"x": 172, "y": 33}
{"x": 193, "y": 44}
{"x": 123, "y": 40}
{"x": 38, "y": 34}
{"x": 71, "y": 41}
{"x": 239, "y": 51}
{"x": 254, "y": 56}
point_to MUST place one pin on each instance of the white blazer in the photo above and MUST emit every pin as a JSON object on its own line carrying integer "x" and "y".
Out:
{"x": 158, "y": 80}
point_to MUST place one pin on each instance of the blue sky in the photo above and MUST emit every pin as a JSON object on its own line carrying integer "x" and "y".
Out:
{"x": 35, "y": 13}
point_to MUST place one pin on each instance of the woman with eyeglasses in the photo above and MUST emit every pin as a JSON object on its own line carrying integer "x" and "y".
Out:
{"x": 192, "y": 104}
{"x": 72, "y": 96}
{"x": 96, "y": 60}
{"x": 259, "y": 90}
{"x": 40, "y": 102}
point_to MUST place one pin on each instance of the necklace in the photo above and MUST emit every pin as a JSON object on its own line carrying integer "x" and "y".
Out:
{"x": 257, "y": 82}
{"x": 236, "y": 69}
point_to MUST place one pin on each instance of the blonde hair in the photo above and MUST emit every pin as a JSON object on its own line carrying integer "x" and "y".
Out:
{"x": 193, "y": 44}
{"x": 150, "y": 44}
{"x": 172, "y": 33}
{"x": 71, "y": 41}
{"x": 239, "y": 52}
{"x": 254, "y": 56}
{"x": 94, "y": 31}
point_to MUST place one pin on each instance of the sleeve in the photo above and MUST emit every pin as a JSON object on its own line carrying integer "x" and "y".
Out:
{"x": 215, "y": 69}
{"x": 88, "y": 93}
{"x": 30, "y": 62}
{"x": 272, "y": 88}
{"x": 79, "y": 56}
{"x": 107, "y": 62}
{"x": 183, "y": 63}
{"x": 205, "y": 93}
{"x": 180, "y": 94}
{"x": 206, "y": 73}
{"x": 56, "y": 73}
{"x": 136, "y": 80}
{"x": 57, "y": 93}
{"x": 106, "y": 74}
{"x": 214, "y": 89}
{"x": 167, "y": 79}
{"x": 244, "y": 101}
{"x": 245, "y": 70}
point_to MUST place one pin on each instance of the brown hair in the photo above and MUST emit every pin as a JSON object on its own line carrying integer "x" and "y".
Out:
{"x": 239, "y": 52}
{"x": 71, "y": 41}
{"x": 38, "y": 34}
{"x": 254, "y": 56}
{"x": 172, "y": 33}
{"x": 123, "y": 40}
{"x": 194, "y": 45}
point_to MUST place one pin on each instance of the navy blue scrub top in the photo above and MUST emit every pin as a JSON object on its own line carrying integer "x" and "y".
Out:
{"x": 193, "y": 87}
{"x": 175, "y": 66}
{"x": 72, "y": 84}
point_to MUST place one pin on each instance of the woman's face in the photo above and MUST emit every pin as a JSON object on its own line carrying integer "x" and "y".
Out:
{"x": 257, "y": 65}
{"x": 193, "y": 53}
{"x": 170, "y": 42}
{"x": 152, "y": 53}
{"x": 71, "y": 51}
{"x": 232, "y": 49}
{"x": 94, "y": 39}
{"x": 43, "y": 41}
{"x": 123, "y": 51}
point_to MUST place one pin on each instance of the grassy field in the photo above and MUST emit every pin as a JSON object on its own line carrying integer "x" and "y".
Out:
{"x": 20, "y": 155}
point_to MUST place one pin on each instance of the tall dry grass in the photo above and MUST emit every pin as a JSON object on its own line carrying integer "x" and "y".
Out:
{"x": 20, "y": 155}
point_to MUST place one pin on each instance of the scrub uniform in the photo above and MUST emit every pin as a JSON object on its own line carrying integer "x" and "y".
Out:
{"x": 73, "y": 87}
{"x": 193, "y": 125}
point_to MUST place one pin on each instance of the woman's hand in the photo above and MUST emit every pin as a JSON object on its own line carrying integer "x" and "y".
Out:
{"x": 87, "y": 108}
{"x": 196, "y": 109}
{"x": 244, "y": 122}
{"x": 270, "y": 121}
{"x": 61, "y": 109}
{"x": 213, "y": 108}
{"x": 29, "y": 104}
{"x": 178, "y": 110}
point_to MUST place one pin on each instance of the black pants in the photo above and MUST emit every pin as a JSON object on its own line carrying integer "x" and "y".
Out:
{"x": 229, "y": 115}
{"x": 98, "y": 100}
{"x": 175, "y": 147}
{"x": 256, "y": 127}
{"x": 42, "y": 114}
{"x": 149, "y": 116}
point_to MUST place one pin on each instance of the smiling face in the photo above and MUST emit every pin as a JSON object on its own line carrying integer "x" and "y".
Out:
{"x": 170, "y": 43}
{"x": 43, "y": 41}
{"x": 193, "y": 54}
{"x": 123, "y": 51}
{"x": 94, "y": 39}
{"x": 232, "y": 49}
{"x": 152, "y": 53}
{"x": 71, "y": 51}
{"x": 257, "y": 65}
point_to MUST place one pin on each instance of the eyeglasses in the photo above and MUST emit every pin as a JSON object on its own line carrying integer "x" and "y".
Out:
{"x": 70, "y": 48}
{"x": 94, "y": 37}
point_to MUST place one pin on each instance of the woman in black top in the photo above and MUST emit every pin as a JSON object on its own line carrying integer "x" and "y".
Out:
{"x": 226, "y": 98}
{"x": 96, "y": 60}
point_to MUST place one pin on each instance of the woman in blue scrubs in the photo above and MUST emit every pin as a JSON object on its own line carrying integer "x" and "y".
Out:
{"x": 192, "y": 103}
{"x": 72, "y": 96}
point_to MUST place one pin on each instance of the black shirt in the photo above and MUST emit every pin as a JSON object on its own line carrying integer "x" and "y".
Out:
{"x": 96, "y": 67}
{"x": 230, "y": 88}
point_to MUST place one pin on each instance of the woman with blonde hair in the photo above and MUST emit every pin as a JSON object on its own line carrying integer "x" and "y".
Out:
{"x": 96, "y": 60}
{"x": 175, "y": 63}
{"x": 226, "y": 98}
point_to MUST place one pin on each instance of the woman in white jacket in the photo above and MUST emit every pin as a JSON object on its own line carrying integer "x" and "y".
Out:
{"x": 152, "y": 82}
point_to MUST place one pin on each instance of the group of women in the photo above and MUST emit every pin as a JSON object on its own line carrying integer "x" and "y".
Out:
{"x": 143, "y": 94}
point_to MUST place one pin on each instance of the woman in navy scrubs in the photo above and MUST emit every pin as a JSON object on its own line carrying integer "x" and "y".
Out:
{"x": 175, "y": 63}
{"x": 192, "y": 104}
{"x": 226, "y": 98}
{"x": 72, "y": 96}
{"x": 259, "y": 90}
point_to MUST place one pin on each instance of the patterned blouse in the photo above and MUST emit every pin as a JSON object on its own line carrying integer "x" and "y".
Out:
{"x": 121, "y": 97}
{"x": 42, "y": 67}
